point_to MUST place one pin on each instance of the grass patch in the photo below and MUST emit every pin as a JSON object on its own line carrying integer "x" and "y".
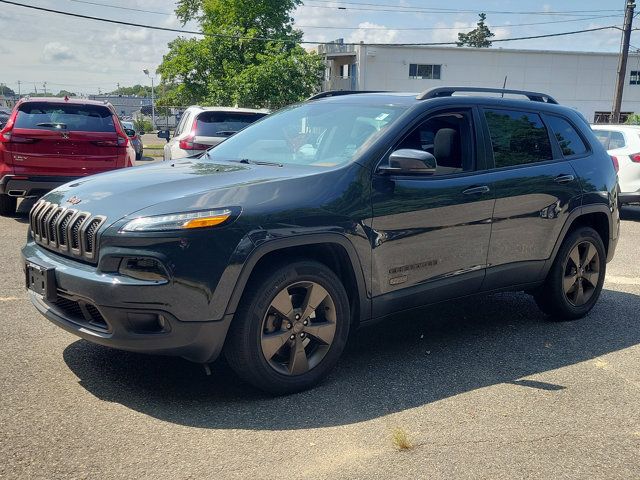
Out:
{"x": 154, "y": 146}
{"x": 400, "y": 439}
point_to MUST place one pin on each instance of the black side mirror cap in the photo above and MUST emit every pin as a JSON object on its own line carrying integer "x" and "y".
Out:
{"x": 164, "y": 134}
{"x": 408, "y": 161}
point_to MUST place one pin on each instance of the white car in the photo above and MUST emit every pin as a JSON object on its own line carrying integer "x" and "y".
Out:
{"x": 201, "y": 128}
{"x": 623, "y": 143}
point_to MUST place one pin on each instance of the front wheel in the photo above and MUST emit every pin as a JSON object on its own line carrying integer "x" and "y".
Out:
{"x": 575, "y": 280}
{"x": 290, "y": 329}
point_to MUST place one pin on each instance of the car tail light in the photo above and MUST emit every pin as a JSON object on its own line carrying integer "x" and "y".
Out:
{"x": 5, "y": 133}
{"x": 123, "y": 139}
{"x": 187, "y": 142}
{"x": 635, "y": 158}
{"x": 616, "y": 164}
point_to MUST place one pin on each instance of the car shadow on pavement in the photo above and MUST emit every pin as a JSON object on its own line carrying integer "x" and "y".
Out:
{"x": 406, "y": 361}
{"x": 630, "y": 212}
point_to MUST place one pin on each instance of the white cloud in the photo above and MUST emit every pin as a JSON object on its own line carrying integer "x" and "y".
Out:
{"x": 365, "y": 33}
{"x": 57, "y": 52}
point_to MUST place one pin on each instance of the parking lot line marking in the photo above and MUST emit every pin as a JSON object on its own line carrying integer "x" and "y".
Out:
{"x": 9, "y": 299}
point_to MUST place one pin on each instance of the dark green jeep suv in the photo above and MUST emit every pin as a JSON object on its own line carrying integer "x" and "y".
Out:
{"x": 274, "y": 245}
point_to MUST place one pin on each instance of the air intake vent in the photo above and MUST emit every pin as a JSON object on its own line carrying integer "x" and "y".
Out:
{"x": 64, "y": 230}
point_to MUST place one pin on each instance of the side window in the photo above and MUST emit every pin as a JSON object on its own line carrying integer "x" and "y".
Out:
{"x": 181, "y": 124}
{"x": 616, "y": 141}
{"x": 518, "y": 138}
{"x": 568, "y": 139}
{"x": 448, "y": 137}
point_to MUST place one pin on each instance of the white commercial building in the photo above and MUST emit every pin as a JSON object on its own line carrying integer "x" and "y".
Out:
{"x": 582, "y": 80}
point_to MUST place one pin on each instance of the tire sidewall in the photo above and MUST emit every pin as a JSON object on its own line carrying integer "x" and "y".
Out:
{"x": 266, "y": 290}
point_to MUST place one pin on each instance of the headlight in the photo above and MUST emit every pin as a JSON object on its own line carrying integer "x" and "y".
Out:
{"x": 177, "y": 221}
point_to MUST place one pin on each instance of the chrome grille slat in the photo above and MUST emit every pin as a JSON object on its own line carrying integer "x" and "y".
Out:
{"x": 65, "y": 230}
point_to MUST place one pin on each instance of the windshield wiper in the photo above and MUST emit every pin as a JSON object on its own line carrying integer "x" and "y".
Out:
{"x": 259, "y": 162}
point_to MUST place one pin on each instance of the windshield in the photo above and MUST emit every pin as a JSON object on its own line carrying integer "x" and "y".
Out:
{"x": 81, "y": 118}
{"x": 315, "y": 133}
{"x": 211, "y": 124}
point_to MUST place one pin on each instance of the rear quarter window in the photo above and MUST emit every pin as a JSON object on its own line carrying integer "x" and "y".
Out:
{"x": 70, "y": 117}
{"x": 567, "y": 136}
{"x": 213, "y": 124}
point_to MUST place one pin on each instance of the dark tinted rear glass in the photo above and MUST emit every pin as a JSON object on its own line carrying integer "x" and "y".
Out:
{"x": 518, "y": 137}
{"x": 79, "y": 118}
{"x": 568, "y": 139}
{"x": 213, "y": 124}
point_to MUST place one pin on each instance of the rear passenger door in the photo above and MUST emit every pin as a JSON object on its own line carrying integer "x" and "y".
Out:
{"x": 535, "y": 187}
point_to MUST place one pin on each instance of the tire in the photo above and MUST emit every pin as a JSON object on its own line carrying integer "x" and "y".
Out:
{"x": 7, "y": 205}
{"x": 561, "y": 299}
{"x": 258, "y": 327}
{"x": 139, "y": 156}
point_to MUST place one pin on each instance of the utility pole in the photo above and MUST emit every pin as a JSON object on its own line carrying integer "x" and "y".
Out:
{"x": 19, "y": 92}
{"x": 622, "y": 64}
{"x": 44, "y": 85}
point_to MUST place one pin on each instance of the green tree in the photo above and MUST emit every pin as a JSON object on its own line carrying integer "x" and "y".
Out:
{"x": 65, "y": 93}
{"x": 478, "y": 37}
{"x": 138, "y": 90}
{"x": 231, "y": 65}
{"x": 4, "y": 90}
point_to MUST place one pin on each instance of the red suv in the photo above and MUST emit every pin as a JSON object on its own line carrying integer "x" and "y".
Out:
{"x": 51, "y": 141}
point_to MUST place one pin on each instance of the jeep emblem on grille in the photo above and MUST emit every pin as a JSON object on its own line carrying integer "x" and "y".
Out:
{"x": 74, "y": 200}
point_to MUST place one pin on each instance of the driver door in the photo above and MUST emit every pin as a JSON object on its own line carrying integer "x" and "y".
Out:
{"x": 431, "y": 232}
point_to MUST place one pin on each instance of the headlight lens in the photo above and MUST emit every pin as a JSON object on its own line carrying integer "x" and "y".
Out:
{"x": 178, "y": 221}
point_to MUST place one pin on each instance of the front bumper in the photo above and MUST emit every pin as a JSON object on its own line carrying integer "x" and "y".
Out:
{"x": 90, "y": 305}
{"x": 28, "y": 186}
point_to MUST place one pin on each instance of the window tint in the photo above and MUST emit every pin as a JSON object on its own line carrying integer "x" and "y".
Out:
{"x": 79, "y": 118}
{"x": 616, "y": 141}
{"x": 568, "y": 139}
{"x": 518, "y": 138}
{"x": 215, "y": 124}
{"x": 448, "y": 137}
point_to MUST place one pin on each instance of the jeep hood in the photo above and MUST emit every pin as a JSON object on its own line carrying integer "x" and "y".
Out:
{"x": 171, "y": 186}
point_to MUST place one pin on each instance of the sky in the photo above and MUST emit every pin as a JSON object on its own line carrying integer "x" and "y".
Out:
{"x": 86, "y": 56}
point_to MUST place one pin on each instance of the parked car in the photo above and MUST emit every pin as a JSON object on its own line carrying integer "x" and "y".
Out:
{"x": 201, "y": 128}
{"x": 48, "y": 142}
{"x": 135, "y": 137}
{"x": 324, "y": 216}
{"x": 623, "y": 143}
{"x": 4, "y": 116}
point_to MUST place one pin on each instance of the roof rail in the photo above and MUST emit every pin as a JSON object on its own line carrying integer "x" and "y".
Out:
{"x": 337, "y": 93}
{"x": 449, "y": 91}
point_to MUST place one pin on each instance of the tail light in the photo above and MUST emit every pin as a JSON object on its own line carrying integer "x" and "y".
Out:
{"x": 187, "y": 142}
{"x": 635, "y": 158}
{"x": 616, "y": 164}
{"x": 123, "y": 139}
{"x": 5, "y": 133}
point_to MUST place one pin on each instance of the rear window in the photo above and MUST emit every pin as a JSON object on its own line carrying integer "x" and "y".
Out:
{"x": 79, "y": 118}
{"x": 214, "y": 124}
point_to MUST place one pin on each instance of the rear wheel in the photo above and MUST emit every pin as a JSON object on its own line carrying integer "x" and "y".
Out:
{"x": 291, "y": 328}
{"x": 7, "y": 205}
{"x": 575, "y": 280}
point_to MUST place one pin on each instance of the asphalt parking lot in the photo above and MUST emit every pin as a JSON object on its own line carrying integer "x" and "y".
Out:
{"x": 484, "y": 389}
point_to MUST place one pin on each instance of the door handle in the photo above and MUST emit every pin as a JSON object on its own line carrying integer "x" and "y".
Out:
{"x": 564, "y": 178}
{"x": 477, "y": 190}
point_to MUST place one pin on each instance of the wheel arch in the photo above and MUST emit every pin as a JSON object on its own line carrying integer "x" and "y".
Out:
{"x": 597, "y": 217}
{"x": 333, "y": 250}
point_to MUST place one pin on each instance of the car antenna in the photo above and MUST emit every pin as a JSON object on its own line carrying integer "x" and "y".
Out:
{"x": 504, "y": 85}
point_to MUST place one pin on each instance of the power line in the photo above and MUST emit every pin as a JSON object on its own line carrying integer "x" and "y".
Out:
{"x": 308, "y": 42}
{"x": 376, "y": 28}
{"x": 340, "y": 5}
{"x": 507, "y": 25}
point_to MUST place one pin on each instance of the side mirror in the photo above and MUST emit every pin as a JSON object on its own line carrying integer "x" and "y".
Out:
{"x": 129, "y": 132}
{"x": 141, "y": 132}
{"x": 164, "y": 134}
{"x": 407, "y": 161}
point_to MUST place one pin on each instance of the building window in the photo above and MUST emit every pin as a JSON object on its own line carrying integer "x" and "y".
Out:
{"x": 635, "y": 77}
{"x": 429, "y": 72}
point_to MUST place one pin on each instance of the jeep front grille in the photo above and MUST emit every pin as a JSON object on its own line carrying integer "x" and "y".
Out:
{"x": 66, "y": 231}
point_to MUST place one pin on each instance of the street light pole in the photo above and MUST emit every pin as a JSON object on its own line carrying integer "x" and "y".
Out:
{"x": 153, "y": 99}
